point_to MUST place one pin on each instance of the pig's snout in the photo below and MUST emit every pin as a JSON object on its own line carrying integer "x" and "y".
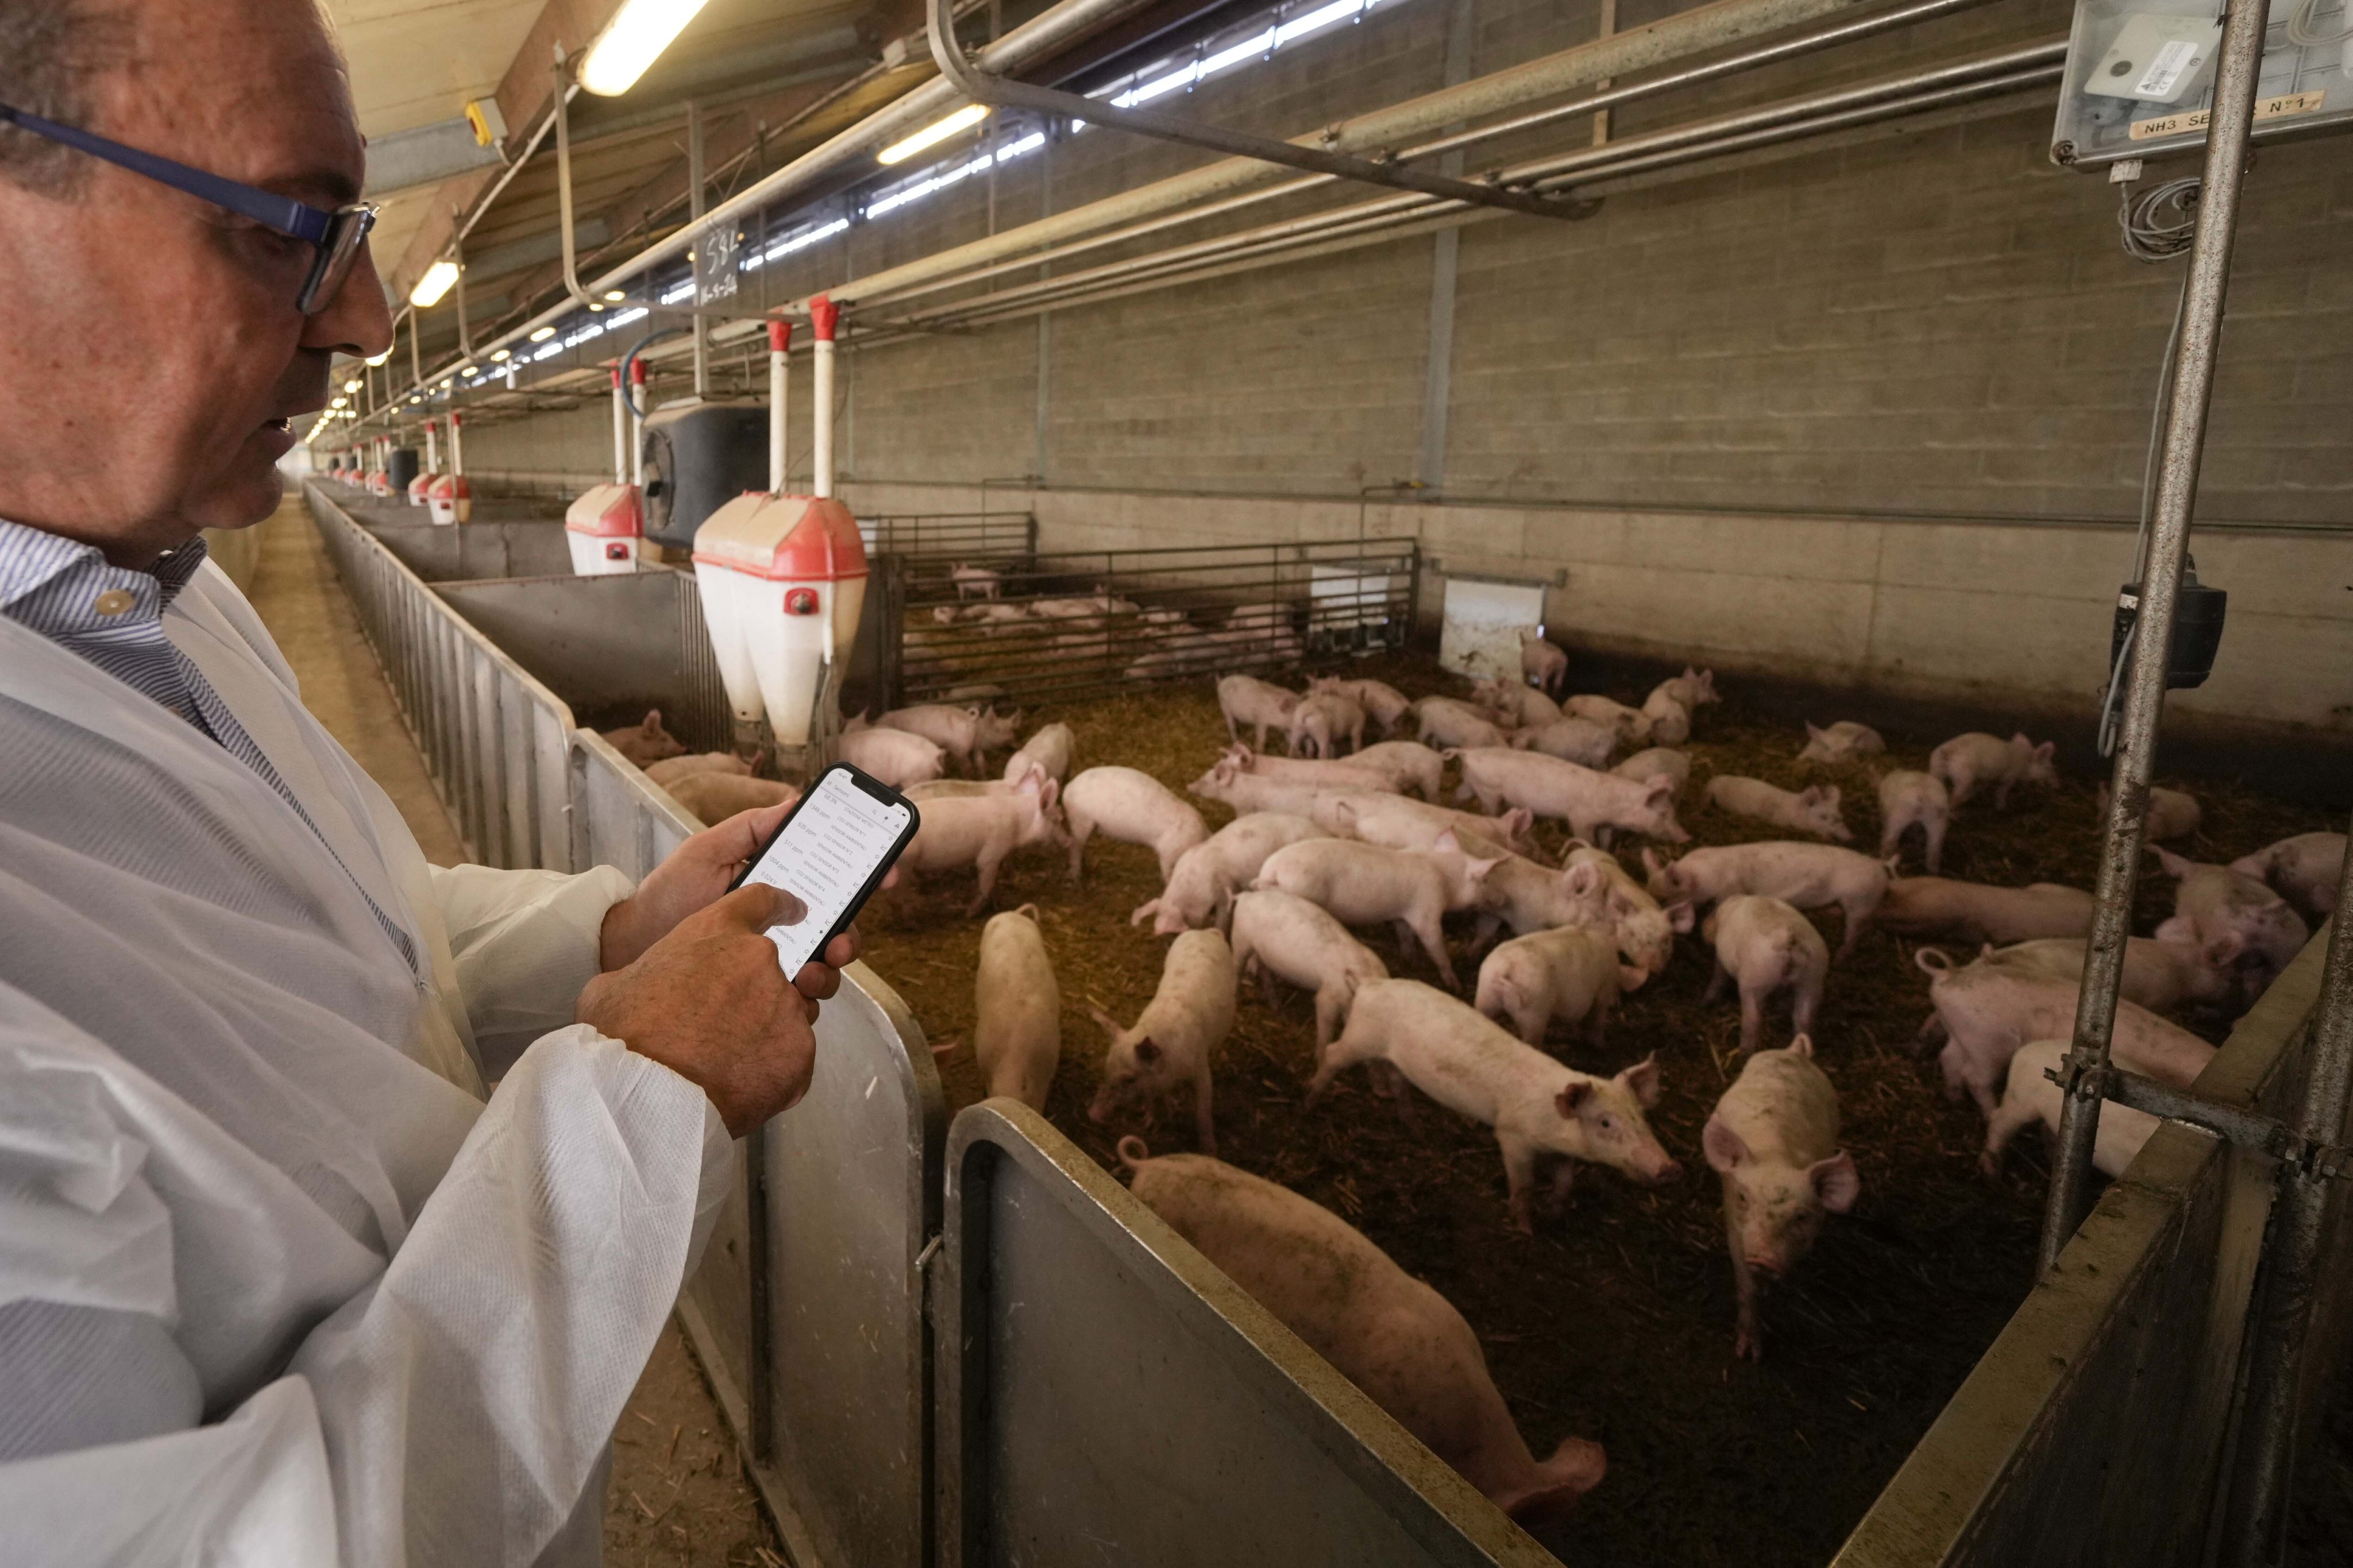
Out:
{"x": 1100, "y": 1112}
{"x": 1580, "y": 1462}
{"x": 1666, "y": 1174}
{"x": 1771, "y": 1265}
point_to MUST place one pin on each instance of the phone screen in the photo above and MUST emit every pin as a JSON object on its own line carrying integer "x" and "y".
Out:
{"x": 830, "y": 851}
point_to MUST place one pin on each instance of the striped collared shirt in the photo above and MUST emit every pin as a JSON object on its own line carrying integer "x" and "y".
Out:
{"x": 69, "y": 593}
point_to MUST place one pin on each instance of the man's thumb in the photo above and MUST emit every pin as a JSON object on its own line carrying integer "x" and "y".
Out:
{"x": 756, "y": 906}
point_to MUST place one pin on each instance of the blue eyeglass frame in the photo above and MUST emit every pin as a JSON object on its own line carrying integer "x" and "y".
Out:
{"x": 338, "y": 233}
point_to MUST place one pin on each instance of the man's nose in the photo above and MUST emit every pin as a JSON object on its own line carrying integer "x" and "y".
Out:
{"x": 357, "y": 322}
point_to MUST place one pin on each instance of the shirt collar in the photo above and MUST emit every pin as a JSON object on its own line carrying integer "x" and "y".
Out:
{"x": 31, "y": 558}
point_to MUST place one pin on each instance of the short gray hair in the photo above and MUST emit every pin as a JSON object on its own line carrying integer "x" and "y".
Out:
{"x": 52, "y": 51}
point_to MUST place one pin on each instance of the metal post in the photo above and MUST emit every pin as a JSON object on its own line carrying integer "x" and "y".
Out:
{"x": 823, "y": 314}
{"x": 2280, "y": 1319}
{"x": 2185, "y": 439}
{"x": 780, "y": 343}
{"x": 701, "y": 243}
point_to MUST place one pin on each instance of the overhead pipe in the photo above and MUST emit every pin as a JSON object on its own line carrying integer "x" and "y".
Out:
{"x": 780, "y": 343}
{"x": 2086, "y": 1066}
{"x": 620, "y": 429}
{"x": 823, "y": 316}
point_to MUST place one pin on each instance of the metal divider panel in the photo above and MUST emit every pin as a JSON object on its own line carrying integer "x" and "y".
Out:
{"x": 1106, "y": 1395}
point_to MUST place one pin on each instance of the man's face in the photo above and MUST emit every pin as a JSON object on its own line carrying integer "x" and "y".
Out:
{"x": 151, "y": 360}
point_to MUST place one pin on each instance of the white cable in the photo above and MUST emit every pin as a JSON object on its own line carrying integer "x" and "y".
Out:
{"x": 2148, "y": 237}
{"x": 2299, "y": 27}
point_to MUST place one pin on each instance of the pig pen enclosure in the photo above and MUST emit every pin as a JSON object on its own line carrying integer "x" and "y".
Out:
{"x": 1614, "y": 1322}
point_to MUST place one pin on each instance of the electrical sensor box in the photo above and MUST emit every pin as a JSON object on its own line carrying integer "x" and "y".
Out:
{"x": 2140, "y": 76}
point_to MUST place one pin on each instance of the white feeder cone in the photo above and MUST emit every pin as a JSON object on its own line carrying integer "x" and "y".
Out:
{"x": 782, "y": 581}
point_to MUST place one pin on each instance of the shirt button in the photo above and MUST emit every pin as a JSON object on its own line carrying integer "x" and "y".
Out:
{"x": 114, "y": 602}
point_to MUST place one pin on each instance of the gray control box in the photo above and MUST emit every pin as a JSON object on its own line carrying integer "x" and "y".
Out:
{"x": 2140, "y": 76}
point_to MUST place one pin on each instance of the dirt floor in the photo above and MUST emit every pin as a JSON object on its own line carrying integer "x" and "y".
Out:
{"x": 1615, "y": 1322}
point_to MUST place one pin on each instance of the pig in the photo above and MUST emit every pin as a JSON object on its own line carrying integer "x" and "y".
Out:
{"x": 1245, "y": 700}
{"x": 1590, "y": 800}
{"x": 1543, "y": 663}
{"x": 2306, "y": 869}
{"x": 967, "y": 734}
{"x": 664, "y": 772}
{"x": 1942, "y": 907}
{"x": 1383, "y": 703}
{"x": 1016, "y": 1006}
{"x": 1773, "y": 1140}
{"x": 980, "y": 831}
{"x": 1133, "y": 807}
{"x": 1841, "y": 742}
{"x": 1763, "y": 946}
{"x": 2159, "y": 974}
{"x": 2028, "y": 1095}
{"x": 1397, "y": 823}
{"x": 1171, "y": 1043}
{"x": 646, "y": 741}
{"x": 1321, "y": 722}
{"x": 1633, "y": 725}
{"x": 1476, "y": 1068}
{"x": 1445, "y": 722}
{"x": 1646, "y": 934}
{"x": 1988, "y": 1011}
{"x": 712, "y": 798}
{"x": 1694, "y": 688}
{"x": 1247, "y": 791}
{"x": 1967, "y": 762}
{"x": 1280, "y": 936}
{"x": 1364, "y": 884}
{"x": 1530, "y": 897}
{"x": 1814, "y": 809}
{"x": 1659, "y": 762}
{"x": 971, "y": 580}
{"x": 1579, "y": 741}
{"x": 1389, "y": 1333}
{"x": 1515, "y": 703}
{"x": 900, "y": 758}
{"x": 2171, "y": 814}
{"x": 2216, "y": 901}
{"x": 1201, "y": 887}
{"x": 1406, "y": 765}
{"x": 1668, "y": 722}
{"x": 961, "y": 789}
{"x": 1572, "y": 973}
{"x": 1809, "y": 875}
{"x": 1334, "y": 773}
{"x": 1909, "y": 799}
{"x": 1048, "y": 752}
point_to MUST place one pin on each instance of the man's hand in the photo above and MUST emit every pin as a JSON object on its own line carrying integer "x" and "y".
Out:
{"x": 710, "y": 1001}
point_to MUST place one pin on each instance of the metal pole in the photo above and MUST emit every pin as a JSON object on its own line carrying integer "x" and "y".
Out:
{"x": 780, "y": 343}
{"x": 823, "y": 314}
{"x": 694, "y": 211}
{"x": 2281, "y": 1318}
{"x": 620, "y": 430}
{"x": 2185, "y": 439}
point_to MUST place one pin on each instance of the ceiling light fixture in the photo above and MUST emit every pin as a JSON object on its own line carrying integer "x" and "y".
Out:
{"x": 615, "y": 295}
{"x": 931, "y": 135}
{"x": 541, "y": 335}
{"x": 635, "y": 36}
{"x": 434, "y": 284}
{"x": 379, "y": 359}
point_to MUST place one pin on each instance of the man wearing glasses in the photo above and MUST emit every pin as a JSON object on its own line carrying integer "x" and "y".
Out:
{"x": 279, "y": 1280}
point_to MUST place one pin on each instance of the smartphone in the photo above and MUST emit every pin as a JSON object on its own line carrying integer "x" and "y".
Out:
{"x": 832, "y": 851}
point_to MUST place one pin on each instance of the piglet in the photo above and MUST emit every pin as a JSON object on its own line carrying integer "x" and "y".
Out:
{"x": 1474, "y": 1067}
{"x": 1773, "y": 1140}
{"x": 1814, "y": 809}
{"x": 1246, "y": 792}
{"x": 2215, "y": 902}
{"x": 1383, "y": 703}
{"x": 1395, "y": 821}
{"x": 2028, "y": 1095}
{"x": 1406, "y": 765}
{"x": 1694, "y": 688}
{"x": 1048, "y": 752}
{"x": 1245, "y": 700}
{"x": 1764, "y": 946}
{"x": 1321, "y": 773}
{"x": 1446, "y": 721}
{"x": 1646, "y": 934}
{"x": 1017, "y": 1032}
{"x": 1633, "y": 725}
{"x": 1988, "y": 1011}
{"x": 1841, "y": 742}
{"x": 981, "y": 830}
{"x": 1571, "y": 973}
{"x": 646, "y": 741}
{"x": 1945, "y": 908}
{"x": 2160, "y": 974}
{"x": 900, "y": 758}
{"x": 2171, "y": 814}
{"x": 675, "y": 768}
{"x": 1200, "y": 890}
{"x": 1530, "y": 897}
{"x": 1590, "y": 800}
{"x": 1579, "y": 741}
{"x": 967, "y": 734}
{"x": 1669, "y": 720}
{"x": 1170, "y": 1044}
{"x": 1280, "y": 936}
{"x": 1543, "y": 663}
{"x": 971, "y": 581}
{"x": 1809, "y": 875}
{"x": 1326, "y": 724}
{"x": 1133, "y": 808}
{"x": 1389, "y": 1333}
{"x": 1659, "y": 762}
{"x": 712, "y": 798}
{"x": 1908, "y": 799}
{"x": 2306, "y": 870}
{"x": 1517, "y": 703}
{"x": 1967, "y": 762}
{"x": 1366, "y": 885}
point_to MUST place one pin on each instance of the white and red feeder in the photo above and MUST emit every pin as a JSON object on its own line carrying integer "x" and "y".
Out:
{"x": 449, "y": 498}
{"x": 420, "y": 488}
{"x": 784, "y": 581}
{"x": 379, "y": 479}
{"x": 606, "y": 524}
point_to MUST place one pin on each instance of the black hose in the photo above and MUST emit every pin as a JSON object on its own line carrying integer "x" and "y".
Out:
{"x": 630, "y": 359}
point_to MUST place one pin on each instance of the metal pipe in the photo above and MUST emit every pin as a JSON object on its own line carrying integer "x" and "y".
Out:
{"x": 432, "y": 449}
{"x": 638, "y": 425}
{"x": 823, "y": 315}
{"x": 2177, "y": 492}
{"x": 780, "y": 344}
{"x": 620, "y": 430}
{"x": 563, "y": 181}
{"x": 694, "y": 214}
{"x": 457, "y": 449}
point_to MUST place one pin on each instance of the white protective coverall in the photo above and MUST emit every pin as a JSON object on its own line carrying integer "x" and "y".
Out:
{"x": 276, "y": 1283}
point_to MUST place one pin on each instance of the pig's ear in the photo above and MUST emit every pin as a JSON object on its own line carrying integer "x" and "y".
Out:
{"x": 652, "y": 726}
{"x": 1582, "y": 878}
{"x": 1830, "y": 797}
{"x": 1811, "y": 795}
{"x": 2224, "y": 950}
{"x": 1723, "y": 1145}
{"x": 1662, "y": 787}
{"x": 2175, "y": 865}
{"x": 1642, "y": 1077}
{"x": 1835, "y": 1181}
{"x": 1147, "y": 1050}
{"x": 1812, "y": 733}
{"x": 1679, "y": 915}
{"x": 1573, "y": 1093}
{"x": 1651, "y": 862}
{"x": 1049, "y": 791}
{"x": 2042, "y": 753}
{"x": 1518, "y": 821}
{"x": 1447, "y": 841}
{"x": 1803, "y": 1046}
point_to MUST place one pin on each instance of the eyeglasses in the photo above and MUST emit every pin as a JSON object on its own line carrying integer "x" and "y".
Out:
{"x": 339, "y": 234}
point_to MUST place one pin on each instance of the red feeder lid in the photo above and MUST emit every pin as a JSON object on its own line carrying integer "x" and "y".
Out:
{"x": 450, "y": 487}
